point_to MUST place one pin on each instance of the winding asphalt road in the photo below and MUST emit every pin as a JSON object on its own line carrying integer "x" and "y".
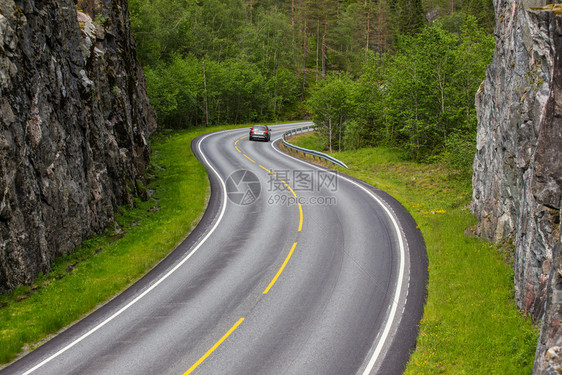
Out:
{"x": 293, "y": 270}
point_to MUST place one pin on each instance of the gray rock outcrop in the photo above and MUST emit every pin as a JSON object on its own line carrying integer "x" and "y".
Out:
{"x": 517, "y": 179}
{"x": 74, "y": 125}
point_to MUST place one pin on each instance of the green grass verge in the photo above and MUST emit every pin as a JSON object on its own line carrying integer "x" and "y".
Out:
{"x": 312, "y": 141}
{"x": 470, "y": 323}
{"x": 105, "y": 265}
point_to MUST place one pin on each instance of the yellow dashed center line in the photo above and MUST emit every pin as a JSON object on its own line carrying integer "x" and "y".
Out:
{"x": 267, "y": 170}
{"x": 236, "y": 143}
{"x": 300, "y": 222}
{"x": 280, "y": 269}
{"x": 214, "y": 347}
{"x": 235, "y": 326}
{"x": 250, "y": 159}
{"x": 288, "y": 187}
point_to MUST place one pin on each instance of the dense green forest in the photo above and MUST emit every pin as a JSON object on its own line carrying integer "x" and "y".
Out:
{"x": 395, "y": 72}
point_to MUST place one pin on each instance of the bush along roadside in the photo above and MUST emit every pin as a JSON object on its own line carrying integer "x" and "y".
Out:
{"x": 107, "y": 264}
{"x": 470, "y": 323}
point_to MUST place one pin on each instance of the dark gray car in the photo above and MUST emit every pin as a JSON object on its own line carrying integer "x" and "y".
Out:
{"x": 260, "y": 132}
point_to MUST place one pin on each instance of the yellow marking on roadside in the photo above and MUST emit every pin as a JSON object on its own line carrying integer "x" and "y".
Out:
{"x": 300, "y": 223}
{"x": 280, "y": 269}
{"x": 247, "y": 157}
{"x": 288, "y": 187}
{"x": 236, "y": 147}
{"x": 214, "y": 347}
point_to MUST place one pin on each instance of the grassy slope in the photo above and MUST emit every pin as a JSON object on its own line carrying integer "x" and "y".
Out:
{"x": 105, "y": 265}
{"x": 470, "y": 323}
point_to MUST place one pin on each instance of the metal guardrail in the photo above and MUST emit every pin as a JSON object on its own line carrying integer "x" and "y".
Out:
{"x": 313, "y": 153}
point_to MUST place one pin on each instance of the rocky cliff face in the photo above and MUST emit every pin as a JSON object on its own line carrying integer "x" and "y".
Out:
{"x": 517, "y": 177}
{"x": 73, "y": 128}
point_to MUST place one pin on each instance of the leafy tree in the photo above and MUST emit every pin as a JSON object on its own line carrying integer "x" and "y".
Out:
{"x": 283, "y": 89}
{"x": 331, "y": 107}
{"x": 162, "y": 94}
{"x": 369, "y": 106}
{"x": 473, "y": 56}
{"x": 270, "y": 36}
{"x": 160, "y": 27}
{"x": 176, "y": 91}
{"x": 429, "y": 85}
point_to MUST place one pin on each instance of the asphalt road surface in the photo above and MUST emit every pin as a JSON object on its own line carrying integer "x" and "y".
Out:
{"x": 293, "y": 270}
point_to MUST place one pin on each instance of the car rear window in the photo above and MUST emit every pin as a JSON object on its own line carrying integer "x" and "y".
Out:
{"x": 259, "y": 127}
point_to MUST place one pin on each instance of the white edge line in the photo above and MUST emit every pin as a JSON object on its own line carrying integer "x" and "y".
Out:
{"x": 157, "y": 282}
{"x": 392, "y": 315}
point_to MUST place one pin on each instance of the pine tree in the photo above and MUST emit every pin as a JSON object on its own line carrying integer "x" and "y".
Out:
{"x": 410, "y": 16}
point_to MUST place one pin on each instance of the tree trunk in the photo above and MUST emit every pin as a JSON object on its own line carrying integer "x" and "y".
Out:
{"x": 380, "y": 30}
{"x": 341, "y": 130}
{"x": 368, "y": 28}
{"x": 205, "y": 91}
{"x": 330, "y": 133}
{"x": 293, "y": 30}
{"x": 251, "y": 10}
{"x": 317, "y": 48}
{"x": 304, "y": 51}
{"x": 324, "y": 47}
